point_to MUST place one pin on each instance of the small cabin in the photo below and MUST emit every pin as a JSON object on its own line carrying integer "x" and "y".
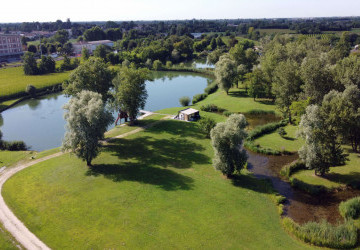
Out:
{"x": 188, "y": 114}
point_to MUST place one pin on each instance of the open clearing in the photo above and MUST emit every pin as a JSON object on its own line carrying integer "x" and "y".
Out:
{"x": 153, "y": 189}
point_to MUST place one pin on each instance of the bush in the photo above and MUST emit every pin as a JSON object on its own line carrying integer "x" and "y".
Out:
{"x": 31, "y": 90}
{"x": 211, "y": 88}
{"x": 199, "y": 97}
{"x": 227, "y": 113}
{"x": 157, "y": 65}
{"x": 281, "y": 131}
{"x": 184, "y": 101}
{"x": 293, "y": 167}
{"x": 210, "y": 108}
{"x": 14, "y": 146}
{"x": 323, "y": 234}
{"x": 261, "y": 112}
{"x": 257, "y": 149}
{"x": 350, "y": 209}
{"x": 206, "y": 125}
{"x": 168, "y": 64}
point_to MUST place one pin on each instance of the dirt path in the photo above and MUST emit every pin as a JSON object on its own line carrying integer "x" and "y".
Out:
{"x": 11, "y": 223}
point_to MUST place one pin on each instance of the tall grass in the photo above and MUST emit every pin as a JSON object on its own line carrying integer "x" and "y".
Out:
{"x": 350, "y": 209}
{"x": 323, "y": 234}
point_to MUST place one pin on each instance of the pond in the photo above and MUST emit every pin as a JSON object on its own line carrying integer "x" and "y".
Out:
{"x": 200, "y": 64}
{"x": 40, "y": 124}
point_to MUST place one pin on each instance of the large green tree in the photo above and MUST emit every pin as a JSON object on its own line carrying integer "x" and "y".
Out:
{"x": 29, "y": 64}
{"x": 129, "y": 93}
{"x": 286, "y": 86}
{"x": 93, "y": 75}
{"x": 225, "y": 73}
{"x": 87, "y": 121}
{"x": 226, "y": 139}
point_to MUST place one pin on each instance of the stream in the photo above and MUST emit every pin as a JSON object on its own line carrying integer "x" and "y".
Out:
{"x": 300, "y": 206}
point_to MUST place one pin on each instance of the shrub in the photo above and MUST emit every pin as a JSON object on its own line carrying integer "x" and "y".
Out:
{"x": 281, "y": 131}
{"x": 350, "y": 209}
{"x": 261, "y": 112}
{"x": 211, "y": 88}
{"x": 257, "y": 149}
{"x": 209, "y": 108}
{"x": 157, "y": 65}
{"x": 293, "y": 167}
{"x": 31, "y": 90}
{"x": 168, "y": 64}
{"x": 184, "y": 101}
{"x": 227, "y": 113}
{"x": 206, "y": 125}
{"x": 199, "y": 97}
{"x": 14, "y": 146}
{"x": 323, "y": 234}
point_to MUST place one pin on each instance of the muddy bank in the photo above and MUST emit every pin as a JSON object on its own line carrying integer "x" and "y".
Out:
{"x": 301, "y": 206}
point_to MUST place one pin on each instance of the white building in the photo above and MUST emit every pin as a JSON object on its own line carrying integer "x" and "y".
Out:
{"x": 90, "y": 46}
{"x": 10, "y": 46}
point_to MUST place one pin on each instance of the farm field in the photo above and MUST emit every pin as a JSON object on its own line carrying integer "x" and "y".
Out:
{"x": 168, "y": 168}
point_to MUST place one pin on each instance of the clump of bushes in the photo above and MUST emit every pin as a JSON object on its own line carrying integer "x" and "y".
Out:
{"x": 293, "y": 167}
{"x": 184, "y": 101}
{"x": 227, "y": 113}
{"x": 261, "y": 112}
{"x": 199, "y": 97}
{"x": 266, "y": 129}
{"x": 258, "y": 149}
{"x": 13, "y": 145}
{"x": 211, "y": 88}
{"x": 210, "y": 108}
{"x": 206, "y": 125}
{"x": 350, "y": 209}
{"x": 323, "y": 234}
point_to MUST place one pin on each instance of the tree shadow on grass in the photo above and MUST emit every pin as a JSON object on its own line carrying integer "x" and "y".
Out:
{"x": 238, "y": 93}
{"x": 266, "y": 102}
{"x": 163, "y": 178}
{"x": 352, "y": 178}
{"x": 172, "y": 152}
{"x": 289, "y": 138}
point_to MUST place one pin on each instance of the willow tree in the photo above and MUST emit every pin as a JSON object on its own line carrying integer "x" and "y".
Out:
{"x": 87, "y": 121}
{"x": 129, "y": 91}
{"x": 225, "y": 73}
{"x": 227, "y": 138}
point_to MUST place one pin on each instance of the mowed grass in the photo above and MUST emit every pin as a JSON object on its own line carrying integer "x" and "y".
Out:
{"x": 153, "y": 189}
{"x": 6, "y": 240}
{"x": 8, "y": 158}
{"x": 13, "y": 80}
{"x": 276, "y": 142}
{"x": 338, "y": 176}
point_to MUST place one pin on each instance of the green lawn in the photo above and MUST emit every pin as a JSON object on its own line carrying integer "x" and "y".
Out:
{"x": 13, "y": 80}
{"x": 10, "y": 157}
{"x": 275, "y": 141}
{"x": 337, "y": 177}
{"x": 153, "y": 189}
{"x": 6, "y": 240}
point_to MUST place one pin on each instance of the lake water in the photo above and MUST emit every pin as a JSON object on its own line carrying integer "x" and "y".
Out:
{"x": 200, "y": 64}
{"x": 40, "y": 124}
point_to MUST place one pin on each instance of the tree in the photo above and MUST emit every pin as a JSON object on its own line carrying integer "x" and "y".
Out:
{"x": 67, "y": 49}
{"x": 31, "y": 90}
{"x": 214, "y": 56}
{"x": 226, "y": 139}
{"x": 322, "y": 148}
{"x": 47, "y": 65}
{"x": 184, "y": 101}
{"x": 94, "y": 34}
{"x": 255, "y": 83}
{"x": 286, "y": 86}
{"x": 347, "y": 71}
{"x": 101, "y": 51}
{"x": 206, "y": 125}
{"x": 85, "y": 54}
{"x": 87, "y": 121}
{"x": 29, "y": 64}
{"x": 93, "y": 75}
{"x": 129, "y": 91}
{"x": 32, "y": 48}
{"x": 225, "y": 73}
{"x": 157, "y": 65}
{"x": 61, "y": 36}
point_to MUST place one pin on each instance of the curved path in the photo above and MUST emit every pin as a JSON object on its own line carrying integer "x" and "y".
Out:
{"x": 11, "y": 223}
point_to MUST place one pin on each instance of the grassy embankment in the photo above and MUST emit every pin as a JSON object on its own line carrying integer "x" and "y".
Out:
{"x": 155, "y": 188}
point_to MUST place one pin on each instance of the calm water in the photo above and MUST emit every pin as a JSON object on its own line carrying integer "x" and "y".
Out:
{"x": 40, "y": 123}
{"x": 200, "y": 64}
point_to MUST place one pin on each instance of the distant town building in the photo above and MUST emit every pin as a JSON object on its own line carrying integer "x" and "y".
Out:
{"x": 10, "y": 46}
{"x": 91, "y": 46}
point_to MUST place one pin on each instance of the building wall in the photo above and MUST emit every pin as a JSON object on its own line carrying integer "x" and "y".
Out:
{"x": 10, "y": 45}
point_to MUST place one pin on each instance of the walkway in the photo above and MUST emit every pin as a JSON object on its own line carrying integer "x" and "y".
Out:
{"x": 11, "y": 223}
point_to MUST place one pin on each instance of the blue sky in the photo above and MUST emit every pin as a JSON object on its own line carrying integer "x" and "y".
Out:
{"x": 87, "y": 10}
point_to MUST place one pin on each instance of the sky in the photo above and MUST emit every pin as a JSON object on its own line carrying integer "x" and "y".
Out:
{"x": 123, "y": 10}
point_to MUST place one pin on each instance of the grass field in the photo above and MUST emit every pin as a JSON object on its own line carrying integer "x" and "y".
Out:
{"x": 10, "y": 157}
{"x": 275, "y": 141}
{"x": 13, "y": 80}
{"x": 337, "y": 177}
{"x": 276, "y": 31}
{"x": 6, "y": 240}
{"x": 153, "y": 189}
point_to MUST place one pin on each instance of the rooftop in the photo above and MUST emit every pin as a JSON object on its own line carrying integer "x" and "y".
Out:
{"x": 189, "y": 111}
